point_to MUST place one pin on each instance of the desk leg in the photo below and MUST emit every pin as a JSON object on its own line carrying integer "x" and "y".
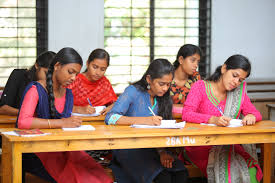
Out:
{"x": 11, "y": 162}
{"x": 267, "y": 163}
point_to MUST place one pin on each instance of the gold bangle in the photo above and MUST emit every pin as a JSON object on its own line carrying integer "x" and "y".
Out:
{"x": 49, "y": 123}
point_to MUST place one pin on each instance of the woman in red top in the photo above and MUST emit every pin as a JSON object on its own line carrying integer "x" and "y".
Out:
{"x": 93, "y": 85}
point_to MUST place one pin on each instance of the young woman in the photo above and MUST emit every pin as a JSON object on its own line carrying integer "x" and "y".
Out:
{"x": 48, "y": 104}
{"x": 18, "y": 80}
{"x": 186, "y": 74}
{"x": 224, "y": 93}
{"x": 93, "y": 85}
{"x": 146, "y": 165}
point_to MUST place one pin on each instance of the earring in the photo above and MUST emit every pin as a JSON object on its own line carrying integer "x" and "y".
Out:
{"x": 148, "y": 87}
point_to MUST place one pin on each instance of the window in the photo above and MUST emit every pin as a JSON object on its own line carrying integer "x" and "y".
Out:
{"x": 23, "y": 34}
{"x": 137, "y": 31}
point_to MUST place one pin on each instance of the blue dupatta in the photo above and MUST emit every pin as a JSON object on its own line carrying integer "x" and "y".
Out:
{"x": 42, "y": 108}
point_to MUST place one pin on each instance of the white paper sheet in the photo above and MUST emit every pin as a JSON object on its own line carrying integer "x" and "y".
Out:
{"x": 30, "y": 135}
{"x": 80, "y": 128}
{"x": 166, "y": 124}
{"x": 98, "y": 109}
{"x": 233, "y": 123}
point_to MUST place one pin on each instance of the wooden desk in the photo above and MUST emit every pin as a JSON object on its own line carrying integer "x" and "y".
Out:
{"x": 123, "y": 137}
{"x": 97, "y": 118}
{"x": 9, "y": 121}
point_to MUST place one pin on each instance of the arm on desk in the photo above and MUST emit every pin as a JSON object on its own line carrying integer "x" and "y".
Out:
{"x": 8, "y": 110}
{"x": 84, "y": 109}
{"x": 249, "y": 108}
{"x": 27, "y": 120}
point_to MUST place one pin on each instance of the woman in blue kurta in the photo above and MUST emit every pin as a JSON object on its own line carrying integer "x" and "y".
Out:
{"x": 146, "y": 165}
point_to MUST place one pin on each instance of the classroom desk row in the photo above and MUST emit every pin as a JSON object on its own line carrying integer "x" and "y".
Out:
{"x": 9, "y": 121}
{"x": 125, "y": 137}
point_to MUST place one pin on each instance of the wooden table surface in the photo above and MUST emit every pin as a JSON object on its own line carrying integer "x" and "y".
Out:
{"x": 121, "y": 137}
{"x": 9, "y": 121}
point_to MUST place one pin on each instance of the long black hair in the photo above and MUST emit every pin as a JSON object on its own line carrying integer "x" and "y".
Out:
{"x": 43, "y": 60}
{"x": 99, "y": 54}
{"x": 157, "y": 69}
{"x": 233, "y": 62}
{"x": 186, "y": 51}
{"x": 64, "y": 56}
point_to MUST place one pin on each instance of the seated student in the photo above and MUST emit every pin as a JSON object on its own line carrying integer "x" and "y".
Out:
{"x": 18, "y": 80}
{"x": 93, "y": 85}
{"x": 146, "y": 165}
{"x": 217, "y": 100}
{"x": 48, "y": 104}
{"x": 186, "y": 74}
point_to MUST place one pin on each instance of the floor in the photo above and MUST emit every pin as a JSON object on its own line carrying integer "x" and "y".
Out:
{"x": 33, "y": 179}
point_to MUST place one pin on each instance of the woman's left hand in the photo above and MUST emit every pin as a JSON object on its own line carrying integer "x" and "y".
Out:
{"x": 249, "y": 119}
{"x": 166, "y": 159}
{"x": 106, "y": 110}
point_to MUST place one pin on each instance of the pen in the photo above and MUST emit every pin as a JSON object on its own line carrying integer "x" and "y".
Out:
{"x": 220, "y": 110}
{"x": 151, "y": 111}
{"x": 89, "y": 102}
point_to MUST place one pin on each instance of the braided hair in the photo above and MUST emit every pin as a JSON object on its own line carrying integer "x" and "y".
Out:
{"x": 64, "y": 56}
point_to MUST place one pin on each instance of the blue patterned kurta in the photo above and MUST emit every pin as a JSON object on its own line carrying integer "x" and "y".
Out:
{"x": 136, "y": 165}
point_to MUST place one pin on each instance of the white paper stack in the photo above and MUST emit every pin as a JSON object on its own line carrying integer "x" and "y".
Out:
{"x": 233, "y": 123}
{"x": 166, "y": 124}
{"x": 80, "y": 128}
{"x": 13, "y": 133}
{"x": 98, "y": 109}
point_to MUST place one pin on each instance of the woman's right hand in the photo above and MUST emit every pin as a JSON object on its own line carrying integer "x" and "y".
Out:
{"x": 153, "y": 120}
{"x": 219, "y": 121}
{"x": 86, "y": 109}
{"x": 72, "y": 122}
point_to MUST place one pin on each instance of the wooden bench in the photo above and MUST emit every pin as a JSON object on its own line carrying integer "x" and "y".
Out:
{"x": 261, "y": 88}
{"x": 260, "y": 81}
{"x": 260, "y": 100}
{"x": 271, "y": 114}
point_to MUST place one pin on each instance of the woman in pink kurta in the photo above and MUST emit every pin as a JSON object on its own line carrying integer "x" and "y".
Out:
{"x": 216, "y": 101}
{"x": 49, "y": 105}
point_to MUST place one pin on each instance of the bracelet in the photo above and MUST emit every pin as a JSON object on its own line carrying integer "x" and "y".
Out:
{"x": 160, "y": 150}
{"x": 49, "y": 123}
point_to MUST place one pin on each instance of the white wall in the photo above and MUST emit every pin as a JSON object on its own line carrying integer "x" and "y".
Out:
{"x": 246, "y": 27}
{"x": 238, "y": 26}
{"x": 76, "y": 23}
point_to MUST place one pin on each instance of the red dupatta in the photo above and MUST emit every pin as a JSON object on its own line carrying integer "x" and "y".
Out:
{"x": 99, "y": 92}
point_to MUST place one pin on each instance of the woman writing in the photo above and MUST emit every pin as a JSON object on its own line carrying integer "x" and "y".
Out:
{"x": 217, "y": 100}
{"x": 186, "y": 74}
{"x": 132, "y": 107}
{"x": 18, "y": 80}
{"x": 48, "y": 104}
{"x": 92, "y": 86}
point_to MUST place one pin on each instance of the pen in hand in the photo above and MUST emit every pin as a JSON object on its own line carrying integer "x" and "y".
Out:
{"x": 151, "y": 111}
{"x": 220, "y": 110}
{"x": 89, "y": 102}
